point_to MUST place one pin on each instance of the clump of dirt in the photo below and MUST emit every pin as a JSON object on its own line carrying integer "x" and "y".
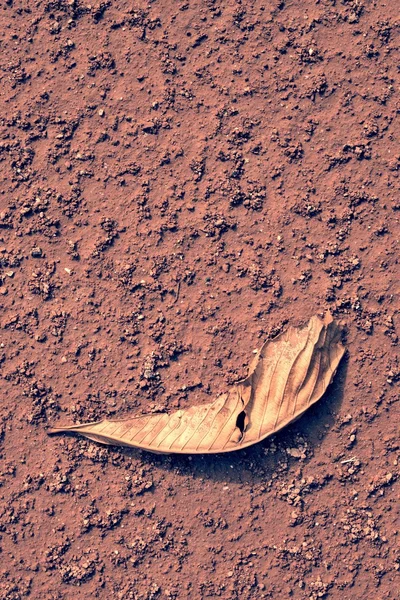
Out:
{"x": 179, "y": 181}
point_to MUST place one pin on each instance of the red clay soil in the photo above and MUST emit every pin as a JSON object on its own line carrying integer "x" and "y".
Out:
{"x": 181, "y": 179}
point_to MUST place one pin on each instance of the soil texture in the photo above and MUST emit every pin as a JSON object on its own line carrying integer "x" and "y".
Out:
{"x": 180, "y": 180}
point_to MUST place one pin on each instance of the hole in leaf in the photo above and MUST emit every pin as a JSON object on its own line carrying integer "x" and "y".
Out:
{"x": 240, "y": 421}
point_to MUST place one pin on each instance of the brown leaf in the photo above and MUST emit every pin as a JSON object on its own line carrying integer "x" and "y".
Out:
{"x": 289, "y": 374}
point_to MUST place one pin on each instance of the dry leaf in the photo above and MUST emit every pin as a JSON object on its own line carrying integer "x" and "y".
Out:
{"x": 289, "y": 374}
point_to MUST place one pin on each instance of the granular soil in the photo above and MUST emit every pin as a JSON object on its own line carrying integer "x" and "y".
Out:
{"x": 179, "y": 181}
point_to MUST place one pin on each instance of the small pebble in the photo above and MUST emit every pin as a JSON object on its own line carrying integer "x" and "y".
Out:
{"x": 36, "y": 252}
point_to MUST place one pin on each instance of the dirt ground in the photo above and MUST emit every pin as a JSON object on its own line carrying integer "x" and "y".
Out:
{"x": 180, "y": 179}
